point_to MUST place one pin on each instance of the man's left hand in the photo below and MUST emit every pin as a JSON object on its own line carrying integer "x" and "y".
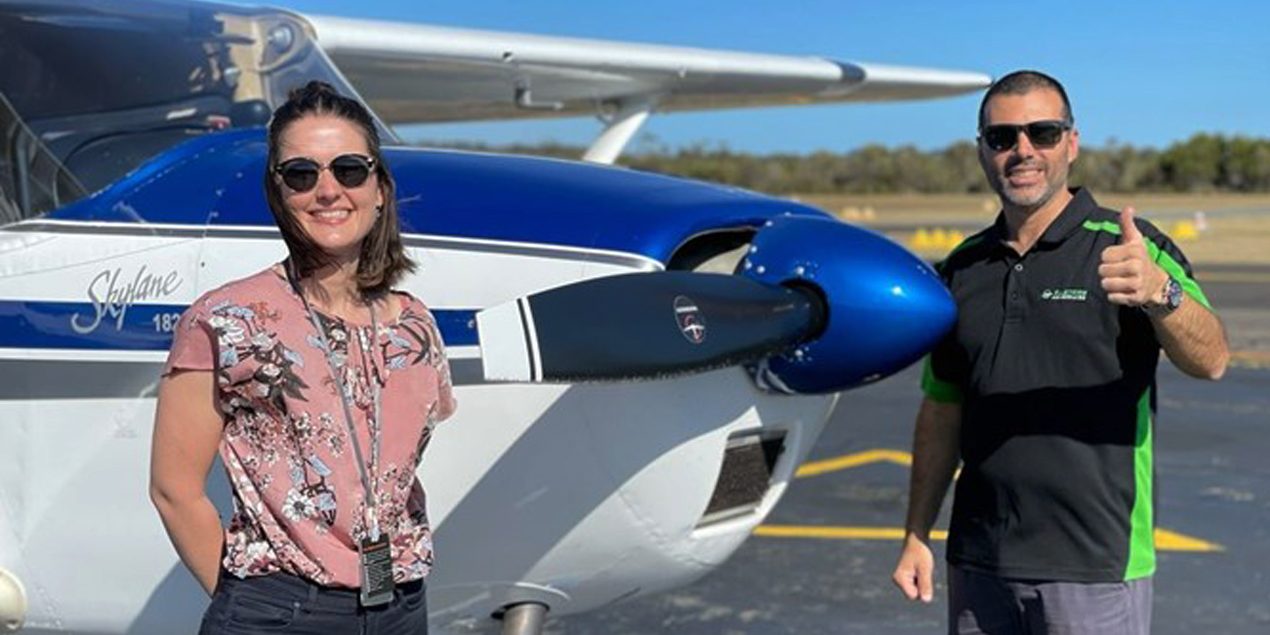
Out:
{"x": 1128, "y": 274}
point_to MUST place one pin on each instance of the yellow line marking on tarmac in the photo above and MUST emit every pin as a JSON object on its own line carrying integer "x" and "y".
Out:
{"x": 839, "y": 533}
{"x": 1165, "y": 540}
{"x": 848, "y": 461}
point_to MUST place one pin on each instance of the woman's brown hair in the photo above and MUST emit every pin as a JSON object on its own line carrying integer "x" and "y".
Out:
{"x": 383, "y": 261}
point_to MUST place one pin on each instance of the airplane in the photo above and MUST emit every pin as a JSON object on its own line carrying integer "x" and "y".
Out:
{"x": 641, "y": 360}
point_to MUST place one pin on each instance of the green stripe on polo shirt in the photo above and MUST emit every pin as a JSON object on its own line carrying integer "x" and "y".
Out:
{"x": 933, "y": 387}
{"x": 937, "y": 389}
{"x": 1142, "y": 519}
{"x": 1161, "y": 257}
{"x": 1175, "y": 270}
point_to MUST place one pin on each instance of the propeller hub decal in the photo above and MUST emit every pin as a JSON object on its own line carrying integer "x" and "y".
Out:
{"x": 692, "y": 323}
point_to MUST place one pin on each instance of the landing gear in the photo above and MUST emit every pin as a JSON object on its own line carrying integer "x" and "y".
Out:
{"x": 524, "y": 619}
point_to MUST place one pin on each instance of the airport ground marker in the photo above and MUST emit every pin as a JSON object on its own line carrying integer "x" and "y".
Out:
{"x": 1165, "y": 539}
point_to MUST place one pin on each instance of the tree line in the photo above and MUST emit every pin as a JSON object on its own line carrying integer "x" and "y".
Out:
{"x": 1202, "y": 163}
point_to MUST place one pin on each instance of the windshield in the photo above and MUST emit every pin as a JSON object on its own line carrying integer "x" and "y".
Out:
{"x": 89, "y": 93}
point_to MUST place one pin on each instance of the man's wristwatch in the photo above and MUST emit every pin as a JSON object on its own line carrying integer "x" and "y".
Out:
{"x": 1172, "y": 300}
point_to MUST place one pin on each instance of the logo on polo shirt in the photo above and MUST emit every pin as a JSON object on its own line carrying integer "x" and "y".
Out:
{"x": 1065, "y": 295}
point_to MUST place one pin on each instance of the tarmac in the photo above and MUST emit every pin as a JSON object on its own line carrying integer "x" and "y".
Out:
{"x": 822, "y": 561}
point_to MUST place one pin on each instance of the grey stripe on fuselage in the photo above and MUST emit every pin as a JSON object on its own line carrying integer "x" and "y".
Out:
{"x": 28, "y": 379}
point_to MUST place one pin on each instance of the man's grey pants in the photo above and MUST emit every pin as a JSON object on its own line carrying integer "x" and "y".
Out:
{"x": 985, "y": 604}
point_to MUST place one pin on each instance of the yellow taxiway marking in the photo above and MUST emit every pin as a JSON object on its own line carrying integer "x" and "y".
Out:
{"x": 849, "y": 461}
{"x": 838, "y": 533}
{"x": 1165, "y": 540}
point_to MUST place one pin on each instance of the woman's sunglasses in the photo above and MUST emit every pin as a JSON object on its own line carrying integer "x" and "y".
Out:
{"x": 301, "y": 173}
{"x": 1043, "y": 134}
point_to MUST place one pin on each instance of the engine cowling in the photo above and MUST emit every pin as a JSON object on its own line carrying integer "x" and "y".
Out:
{"x": 884, "y": 307}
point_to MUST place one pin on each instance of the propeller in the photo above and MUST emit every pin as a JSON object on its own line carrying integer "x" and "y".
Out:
{"x": 643, "y": 325}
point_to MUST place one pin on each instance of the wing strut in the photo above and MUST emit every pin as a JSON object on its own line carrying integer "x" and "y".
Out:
{"x": 620, "y": 128}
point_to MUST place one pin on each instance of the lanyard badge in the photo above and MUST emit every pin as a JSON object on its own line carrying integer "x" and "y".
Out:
{"x": 376, "y": 566}
{"x": 374, "y": 555}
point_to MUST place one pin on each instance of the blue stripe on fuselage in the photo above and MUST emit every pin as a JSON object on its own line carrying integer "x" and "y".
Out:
{"x": 140, "y": 327}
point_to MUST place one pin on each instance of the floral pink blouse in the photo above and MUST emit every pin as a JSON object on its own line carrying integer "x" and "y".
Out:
{"x": 298, "y": 498}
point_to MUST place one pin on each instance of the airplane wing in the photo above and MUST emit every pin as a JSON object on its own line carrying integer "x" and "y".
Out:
{"x": 465, "y": 75}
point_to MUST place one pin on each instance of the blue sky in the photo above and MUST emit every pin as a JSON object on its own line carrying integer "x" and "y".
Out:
{"x": 1143, "y": 73}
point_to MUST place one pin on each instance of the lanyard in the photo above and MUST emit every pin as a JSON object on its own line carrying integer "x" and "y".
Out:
{"x": 372, "y": 518}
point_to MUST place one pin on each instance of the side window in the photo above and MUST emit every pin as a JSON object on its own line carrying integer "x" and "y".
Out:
{"x": 32, "y": 180}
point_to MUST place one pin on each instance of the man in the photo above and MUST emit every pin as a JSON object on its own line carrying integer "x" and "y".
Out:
{"x": 1046, "y": 391}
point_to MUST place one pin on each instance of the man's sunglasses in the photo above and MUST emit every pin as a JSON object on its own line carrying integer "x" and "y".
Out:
{"x": 1043, "y": 134}
{"x": 301, "y": 173}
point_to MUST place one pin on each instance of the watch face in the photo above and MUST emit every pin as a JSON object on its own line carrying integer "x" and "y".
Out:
{"x": 1174, "y": 294}
{"x": 1172, "y": 300}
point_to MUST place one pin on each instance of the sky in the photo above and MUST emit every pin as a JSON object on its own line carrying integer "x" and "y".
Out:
{"x": 1140, "y": 73}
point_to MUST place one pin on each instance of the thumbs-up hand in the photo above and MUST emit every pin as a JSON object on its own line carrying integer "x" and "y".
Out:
{"x": 1128, "y": 274}
{"x": 1128, "y": 229}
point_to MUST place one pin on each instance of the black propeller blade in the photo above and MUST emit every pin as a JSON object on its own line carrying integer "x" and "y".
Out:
{"x": 643, "y": 325}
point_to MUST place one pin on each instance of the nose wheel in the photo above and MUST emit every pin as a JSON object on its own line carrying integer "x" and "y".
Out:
{"x": 524, "y": 619}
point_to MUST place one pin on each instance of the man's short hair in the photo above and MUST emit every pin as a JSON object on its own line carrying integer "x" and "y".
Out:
{"x": 1021, "y": 83}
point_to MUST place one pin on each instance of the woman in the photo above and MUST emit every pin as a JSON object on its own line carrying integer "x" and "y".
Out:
{"x": 319, "y": 387}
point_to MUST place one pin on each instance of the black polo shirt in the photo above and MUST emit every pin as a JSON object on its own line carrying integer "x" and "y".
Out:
{"x": 1057, "y": 387}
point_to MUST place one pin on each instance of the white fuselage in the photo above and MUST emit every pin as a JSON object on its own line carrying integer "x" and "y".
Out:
{"x": 570, "y": 495}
